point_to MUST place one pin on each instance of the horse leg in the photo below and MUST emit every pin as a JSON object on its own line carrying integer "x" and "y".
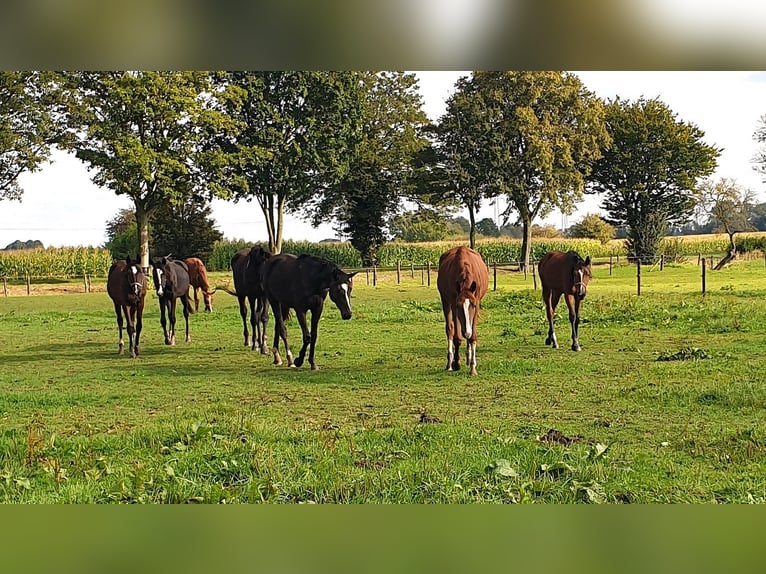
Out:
{"x": 118, "y": 311}
{"x": 279, "y": 327}
{"x": 163, "y": 320}
{"x": 449, "y": 330}
{"x": 470, "y": 346}
{"x": 243, "y": 314}
{"x": 187, "y": 310}
{"x": 139, "y": 323}
{"x": 316, "y": 314}
{"x": 172, "y": 320}
{"x": 301, "y": 316}
{"x": 263, "y": 322}
{"x": 196, "y": 298}
{"x": 551, "y": 301}
{"x": 253, "y": 320}
{"x": 574, "y": 318}
{"x": 456, "y": 339}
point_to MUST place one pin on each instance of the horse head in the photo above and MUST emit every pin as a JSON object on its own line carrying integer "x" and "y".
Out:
{"x": 468, "y": 302}
{"x": 135, "y": 277}
{"x": 164, "y": 275}
{"x": 581, "y": 275}
{"x": 341, "y": 284}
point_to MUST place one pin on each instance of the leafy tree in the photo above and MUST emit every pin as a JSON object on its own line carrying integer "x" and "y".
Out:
{"x": 758, "y": 216}
{"x": 488, "y": 227}
{"x": 460, "y": 172}
{"x": 30, "y": 123}
{"x": 546, "y": 231}
{"x": 649, "y": 174}
{"x": 185, "y": 230}
{"x": 382, "y": 170}
{"x": 28, "y": 244}
{"x": 141, "y": 133}
{"x": 730, "y": 205}
{"x": 532, "y": 137}
{"x": 462, "y": 223}
{"x": 422, "y": 225}
{"x": 593, "y": 226}
{"x": 293, "y": 134}
{"x": 122, "y": 234}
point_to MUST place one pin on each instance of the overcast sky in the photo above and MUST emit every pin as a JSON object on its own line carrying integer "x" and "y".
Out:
{"x": 61, "y": 206}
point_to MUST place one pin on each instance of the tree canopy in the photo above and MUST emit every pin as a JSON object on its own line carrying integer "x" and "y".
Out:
{"x": 185, "y": 230}
{"x": 30, "y": 123}
{"x": 648, "y": 175}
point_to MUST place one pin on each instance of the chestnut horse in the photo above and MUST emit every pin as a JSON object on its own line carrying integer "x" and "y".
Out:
{"x": 198, "y": 281}
{"x": 126, "y": 286}
{"x": 462, "y": 281}
{"x": 303, "y": 283}
{"x": 565, "y": 274}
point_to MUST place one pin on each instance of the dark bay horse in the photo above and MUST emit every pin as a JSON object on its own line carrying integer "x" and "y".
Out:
{"x": 302, "y": 283}
{"x": 171, "y": 280}
{"x": 126, "y": 285}
{"x": 246, "y": 270}
{"x": 199, "y": 282}
{"x": 565, "y": 274}
{"x": 462, "y": 282}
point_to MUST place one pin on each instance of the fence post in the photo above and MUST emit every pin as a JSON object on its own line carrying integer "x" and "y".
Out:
{"x": 638, "y": 276}
{"x": 422, "y": 275}
{"x": 662, "y": 261}
{"x": 711, "y": 262}
{"x": 412, "y": 270}
{"x": 699, "y": 258}
{"x": 429, "y": 273}
{"x": 85, "y": 281}
{"x": 494, "y": 275}
{"x": 534, "y": 275}
{"x": 29, "y": 281}
{"x": 398, "y": 272}
{"x": 367, "y": 273}
{"x": 703, "y": 276}
{"x": 610, "y": 265}
{"x": 5, "y": 286}
{"x": 374, "y": 274}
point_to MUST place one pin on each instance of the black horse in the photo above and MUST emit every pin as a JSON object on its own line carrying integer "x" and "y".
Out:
{"x": 171, "y": 281}
{"x": 302, "y": 283}
{"x": 246, "y": 269}
{"x": 126, "y": 285}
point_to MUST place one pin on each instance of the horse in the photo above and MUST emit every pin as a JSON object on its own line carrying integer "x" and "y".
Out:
{"x": 462, "y": 281}
{"x": 565, "y": 274}
{"x": 198, "y": 281}
{"x": 171, "y": 280}
{"x": 303, "y": 283}
{"x": 126, "y": 286}
{"x": 246, "y": 271}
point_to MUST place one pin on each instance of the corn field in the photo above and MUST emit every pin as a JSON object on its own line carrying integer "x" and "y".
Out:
{"x": 69, "y": 262}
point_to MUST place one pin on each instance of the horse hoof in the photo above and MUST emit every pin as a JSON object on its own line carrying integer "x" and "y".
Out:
{"x": 473, "y": 372}
{"x": 314, "y": 368}
{"x": 121, "y": 351}
{"x": 576, "y": 348}
{"x": 188, "y": 339}
{"x": 264, "y": 350}
{"x": 298, "y": 362}
{"x": 548, "y": 341}
{"x": 455, "y": 366}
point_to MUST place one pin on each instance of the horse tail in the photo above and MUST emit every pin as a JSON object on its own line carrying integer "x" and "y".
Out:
{"x": 225, "y": 289}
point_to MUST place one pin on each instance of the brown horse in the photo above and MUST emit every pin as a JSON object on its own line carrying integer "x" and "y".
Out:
{"x": 303, "y": 283}
{"x": 462, "y": 283}
{"x": 171, "y": 281}
{"x": 126, "y": 285}
{"x": 198, "y": 281}
{"x": 246, "y": 271}
{"x": 565, "y": 274}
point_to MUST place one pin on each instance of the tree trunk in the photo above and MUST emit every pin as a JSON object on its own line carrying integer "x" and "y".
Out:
{"x": 730, "y": 256}
{"x": 526, "y": 243}
{"x": 280, "y": 224}
{"x": 472, "y": 229}
{"x": 142, "y": 226}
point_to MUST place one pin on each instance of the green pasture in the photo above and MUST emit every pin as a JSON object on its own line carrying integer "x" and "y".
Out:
{"x": 665, "y": 403}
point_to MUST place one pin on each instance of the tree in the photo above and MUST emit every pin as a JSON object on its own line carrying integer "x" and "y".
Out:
{"x": 30, "y": 123}
{"x": 422, "y": 225}
{"x": 758, "y": 216}
{"x": 122, "y": 234}
{"x": 459, "y": 170}
{"x": 593, "y": 226}
{"x": 382, "y": 166}
{"x": 185, "y": 230}
{"x": 293, "y": 134}
{"x": 730, "y": 205}
{"x": 462, "y": 223}
{"x": 141, "y": 133}
{"x": 488, "y": 227}
{"x": 535, "y": 135}
{"x": 649, "y": 174}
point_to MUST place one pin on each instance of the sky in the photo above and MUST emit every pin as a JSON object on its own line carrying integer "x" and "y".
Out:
{"x": 62, "y": 207}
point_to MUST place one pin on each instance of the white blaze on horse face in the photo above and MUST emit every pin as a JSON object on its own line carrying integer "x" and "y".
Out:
{"x": 468, "y": 330}
{"x": 344, "y": 286}
{"x": 134, "y": 270}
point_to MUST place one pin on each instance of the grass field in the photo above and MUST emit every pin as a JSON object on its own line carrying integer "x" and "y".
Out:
{"x": 211, "y": 421}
